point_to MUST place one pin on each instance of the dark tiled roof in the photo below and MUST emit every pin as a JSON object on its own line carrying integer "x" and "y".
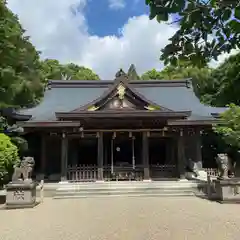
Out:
{"x": 179, "y": 98}
{"x": 62, "y": 100}
{"x": 64, "y": 96}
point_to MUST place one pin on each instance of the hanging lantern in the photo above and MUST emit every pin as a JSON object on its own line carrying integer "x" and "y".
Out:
{"x": 130, "y": 134}
{"x": 114, "y": 135}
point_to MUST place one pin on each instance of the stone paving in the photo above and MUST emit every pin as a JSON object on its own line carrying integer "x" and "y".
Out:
{"x": 122, "y": 218}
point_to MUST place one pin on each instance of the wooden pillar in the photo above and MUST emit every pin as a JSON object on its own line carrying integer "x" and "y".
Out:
{"x": 181, "y": 156}
{"x": 145, "y": 156}
{"x": 64, "y": 157}
{"x": 100, "y": 156}
{"x": 198, "y": 152}
{"x": 43, "y": 156}
{"x": 133, "y": 153}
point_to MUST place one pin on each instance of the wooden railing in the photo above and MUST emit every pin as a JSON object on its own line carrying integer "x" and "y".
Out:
{"x": 161, "y": 171}
{"x": 90, "y": 172}
{"x": 82, "y": 173}
{"x": 123, "y": 173}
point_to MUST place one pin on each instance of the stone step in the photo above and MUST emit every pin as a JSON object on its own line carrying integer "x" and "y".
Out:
{"x": 170, "y": 194}
{"x": 100, "y": 191}
{"x": 122, "y": 189}
{"x": 75, "y": 191}
{"x": 123, "y": 186}
{"x": 128, "y": 183}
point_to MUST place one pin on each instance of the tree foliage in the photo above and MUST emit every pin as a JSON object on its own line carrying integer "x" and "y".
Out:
{"x": 53, "y": 70}
{"x": 201, "y": 77}
{"x": 8, "y": 155}
{"x": 207, "y": 28}
{"x": 225, "y": 84}
{"x": 230, "y": 126}
{"x": 152, "y": 75}
{"x": 20, "y": 76}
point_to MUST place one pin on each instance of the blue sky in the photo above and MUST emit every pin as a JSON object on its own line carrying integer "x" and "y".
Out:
{"x": 103, "y": 35}
{"x": 104, "y": 20}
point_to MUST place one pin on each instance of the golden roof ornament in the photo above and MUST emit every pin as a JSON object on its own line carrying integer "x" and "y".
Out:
{"x": 92, "y": 108}
{"x": 151, "y": 108}
{"x": 121, "y": 91}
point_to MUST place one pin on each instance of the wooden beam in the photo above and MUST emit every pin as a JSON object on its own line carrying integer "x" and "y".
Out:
{"x": 122, "y": 114}
{"x": 193, "y": 122}
{"x": 48, "y": 124}
{"x": 125, "y": 130}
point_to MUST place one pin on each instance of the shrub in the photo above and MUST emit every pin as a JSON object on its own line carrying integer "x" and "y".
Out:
{"x": 8, "y": 156}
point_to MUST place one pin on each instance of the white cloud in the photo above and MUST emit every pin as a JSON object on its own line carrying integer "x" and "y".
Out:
{"x": 222, "y": 58}
{"x": 59, "y": 34}
{"x": 62, "y": 34}
{"x": 116, "y": 4}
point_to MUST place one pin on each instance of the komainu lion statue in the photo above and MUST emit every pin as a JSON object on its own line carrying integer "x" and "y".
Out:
{"x": 223, "y": 165}
{"x": 24, "y": 171}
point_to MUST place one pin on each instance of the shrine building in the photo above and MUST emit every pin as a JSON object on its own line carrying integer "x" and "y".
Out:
{"x": 116, "y": 130}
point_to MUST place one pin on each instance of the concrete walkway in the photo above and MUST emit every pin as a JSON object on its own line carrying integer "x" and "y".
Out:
{"x": 122, "y": 218}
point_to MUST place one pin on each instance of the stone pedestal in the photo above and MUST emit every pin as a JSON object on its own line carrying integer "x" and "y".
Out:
{"x": 21, "y": 195}
{"x": 228, "y": 190}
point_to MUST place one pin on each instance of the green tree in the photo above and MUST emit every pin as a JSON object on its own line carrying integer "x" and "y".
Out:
{"x": 152, "y": 75}
{"x": 225, "y": 83}
{"x": 229, "y": 128}
{"x": 207, "y": 28}
{"x": 201, "y": 77}
{"x": 8, "y": 156}
{"x": 132, "y": 73}
{"x": 53, "y": 70}
{"x": 20, "y": 76}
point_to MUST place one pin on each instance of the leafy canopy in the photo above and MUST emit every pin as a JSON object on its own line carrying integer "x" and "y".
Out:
{"x": 207, "y": 28}
{"x": 225, "y": 82}
{"x": 20, "y": 76}
{"x": 201, "y": 77}
{"x": 230, "y": 126}
{"x": 53, "y": 70}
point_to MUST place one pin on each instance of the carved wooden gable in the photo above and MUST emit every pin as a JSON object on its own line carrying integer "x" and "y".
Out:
{"x": 122, "y": 98}
{"x": 117, "y": 103}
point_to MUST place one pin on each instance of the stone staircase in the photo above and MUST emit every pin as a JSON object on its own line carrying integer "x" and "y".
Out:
{"x": 129, "y": 189}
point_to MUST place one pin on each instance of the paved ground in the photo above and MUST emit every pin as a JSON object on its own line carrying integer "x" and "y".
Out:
{"x": 122, "y": 218}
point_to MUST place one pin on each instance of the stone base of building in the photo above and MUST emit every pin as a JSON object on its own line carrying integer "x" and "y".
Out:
{"x": 21, "y": 195}
{"x": 227, "y": 190}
